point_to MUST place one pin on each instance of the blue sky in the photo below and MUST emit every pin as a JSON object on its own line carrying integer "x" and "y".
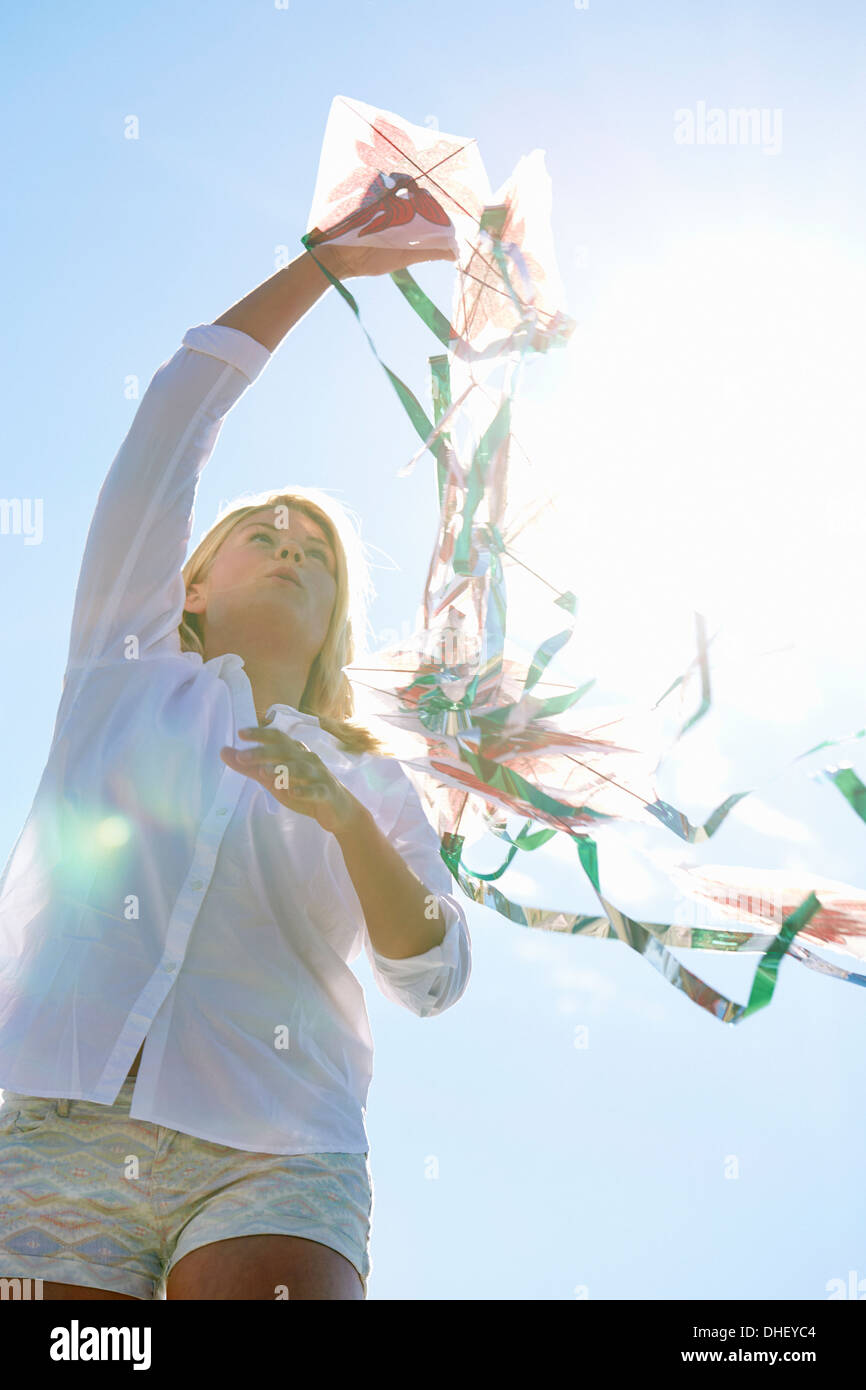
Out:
{"x": 705, "y": 427}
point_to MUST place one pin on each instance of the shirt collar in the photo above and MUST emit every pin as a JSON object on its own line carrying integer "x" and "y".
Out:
{"x": 231, "y": 662}
{"x": 295, "y": 716}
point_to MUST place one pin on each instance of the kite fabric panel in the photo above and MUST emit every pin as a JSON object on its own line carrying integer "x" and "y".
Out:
{"x": 462, "y": 703}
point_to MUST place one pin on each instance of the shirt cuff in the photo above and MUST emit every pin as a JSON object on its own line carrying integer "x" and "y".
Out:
{"x": 229, "y": 345}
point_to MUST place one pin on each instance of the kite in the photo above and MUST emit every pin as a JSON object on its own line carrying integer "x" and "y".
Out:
{"x": 468, "y": 712}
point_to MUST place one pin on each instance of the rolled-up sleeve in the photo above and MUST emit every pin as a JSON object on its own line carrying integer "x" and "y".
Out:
{"x": 130, "y": 583}
{"x": 430, "y": 983}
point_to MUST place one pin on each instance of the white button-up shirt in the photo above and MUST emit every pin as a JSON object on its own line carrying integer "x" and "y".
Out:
{"x": 155, "y": 893}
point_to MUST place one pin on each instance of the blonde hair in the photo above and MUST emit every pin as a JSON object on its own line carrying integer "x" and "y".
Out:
{"x": 328, "y": 692}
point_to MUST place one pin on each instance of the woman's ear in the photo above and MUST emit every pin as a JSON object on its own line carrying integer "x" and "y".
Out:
{"x": 195, "y": 599}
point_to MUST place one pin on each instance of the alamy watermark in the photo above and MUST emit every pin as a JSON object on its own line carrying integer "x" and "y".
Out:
{"x": 738, "y": 125}
{"x": 22, "y": 516}
{"x": 21, "y": 1289}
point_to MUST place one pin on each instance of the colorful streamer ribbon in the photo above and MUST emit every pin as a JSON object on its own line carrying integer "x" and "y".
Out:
{"x": 485, "y": 740}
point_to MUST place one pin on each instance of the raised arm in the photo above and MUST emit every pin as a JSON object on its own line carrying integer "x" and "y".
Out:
{"x": 274, "y": 307}
{"x": 269, "y": 311}
{"x": 130, "y": 595}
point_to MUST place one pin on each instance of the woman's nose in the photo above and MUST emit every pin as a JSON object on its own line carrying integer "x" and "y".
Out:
{"x": 285, "y": 554}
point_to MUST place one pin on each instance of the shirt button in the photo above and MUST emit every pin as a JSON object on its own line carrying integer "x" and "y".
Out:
{"x": 223, "y": 810}
{"x": 197, "y": 883}
{"x": 171, "y": 967}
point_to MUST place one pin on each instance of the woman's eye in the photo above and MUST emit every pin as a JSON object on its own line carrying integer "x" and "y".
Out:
{"x": 259, "y": 534}
{"x": 322, "y": 554}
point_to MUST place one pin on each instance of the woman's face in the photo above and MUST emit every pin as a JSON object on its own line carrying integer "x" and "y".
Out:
{"x": 266, "y": 582}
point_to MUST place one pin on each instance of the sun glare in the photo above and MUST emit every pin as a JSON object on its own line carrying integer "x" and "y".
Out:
{"x": 705, "y": 450}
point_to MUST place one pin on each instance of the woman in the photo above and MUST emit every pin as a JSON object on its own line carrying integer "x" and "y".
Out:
{"x": 184, "y": 1049}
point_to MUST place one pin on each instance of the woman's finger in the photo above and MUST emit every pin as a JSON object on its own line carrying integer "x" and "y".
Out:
{"x": 277, "y": 739}
{"x": 259, "y": 764}
{"x": 274, "y": 736}
{"x": 414, "y": 256}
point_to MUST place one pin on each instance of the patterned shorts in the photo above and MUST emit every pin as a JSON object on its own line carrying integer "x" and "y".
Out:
{"x": 90, "y": 1196}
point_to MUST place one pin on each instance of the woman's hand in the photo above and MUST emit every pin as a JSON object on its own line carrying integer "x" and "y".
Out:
{"x": 297, "y": 778}
{"x": 348, "y": 262}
